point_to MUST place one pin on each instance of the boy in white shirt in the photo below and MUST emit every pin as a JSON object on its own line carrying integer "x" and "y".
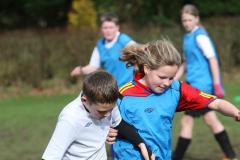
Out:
{"x": 83, "y": 125}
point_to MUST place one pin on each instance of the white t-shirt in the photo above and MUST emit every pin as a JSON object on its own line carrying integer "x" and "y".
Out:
{"x": 204, "y": 43}
{"x": 78, "y": 136}
{"x": 95, "y": 57}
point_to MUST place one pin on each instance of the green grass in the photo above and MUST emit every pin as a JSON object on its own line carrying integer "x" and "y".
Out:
{"x": 27, "y": 124}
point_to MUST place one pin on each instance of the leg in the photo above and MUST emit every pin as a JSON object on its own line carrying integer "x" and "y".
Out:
{"x": 184, "y": 140}
{"x": 220, "y": 134}
{"x": 211, "y": 120}
{"x": 187, "y": 122}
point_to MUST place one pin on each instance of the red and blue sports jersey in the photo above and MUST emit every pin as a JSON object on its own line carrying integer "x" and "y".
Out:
{"x": 152, "y": 115}
{"x": 110, "y": 62}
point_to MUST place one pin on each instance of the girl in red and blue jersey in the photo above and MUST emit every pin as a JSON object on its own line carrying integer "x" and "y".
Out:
{"x": 106, "y": 54}
{"x": 150, "y": 101}
{"x": 202, "y": 72}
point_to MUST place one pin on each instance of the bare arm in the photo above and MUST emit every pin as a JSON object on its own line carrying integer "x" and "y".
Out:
{"x": 180, "y": 72}
{"x": 207, "y": 48}
{"x": 225, "y": 108}
{"x": 205, "y": 45}
{"x": 77, "y": 71}
{"x": 145, "y": 152}
{"x": 218, "y": 90}
{"x": 93, "y": 65}
{"x": 214, "y": 70}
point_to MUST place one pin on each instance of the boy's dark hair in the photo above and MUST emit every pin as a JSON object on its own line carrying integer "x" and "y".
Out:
{"x": 100, "y": 87}
{"x": 111, "y": 17}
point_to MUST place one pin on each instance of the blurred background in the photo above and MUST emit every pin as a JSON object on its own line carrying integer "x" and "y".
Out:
{"x": 41, "y": 41}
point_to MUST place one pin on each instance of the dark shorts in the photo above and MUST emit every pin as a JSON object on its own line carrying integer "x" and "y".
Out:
{"x": 197, "y": 113}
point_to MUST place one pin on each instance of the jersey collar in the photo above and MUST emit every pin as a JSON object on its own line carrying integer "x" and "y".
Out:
{"x": 135, "y": 88}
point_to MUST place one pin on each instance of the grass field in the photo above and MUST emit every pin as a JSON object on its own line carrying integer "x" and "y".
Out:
{"x": 27, "y": 124}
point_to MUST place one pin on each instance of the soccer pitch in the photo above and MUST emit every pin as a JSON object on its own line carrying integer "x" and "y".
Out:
{"x": 27, "y": 124}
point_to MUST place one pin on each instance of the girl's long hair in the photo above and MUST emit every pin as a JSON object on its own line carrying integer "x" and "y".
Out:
{"x": 154, "y": 55}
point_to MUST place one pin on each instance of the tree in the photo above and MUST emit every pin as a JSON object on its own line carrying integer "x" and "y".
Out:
{"x": 37, "y": 13}
{"x": 82, "y": 14}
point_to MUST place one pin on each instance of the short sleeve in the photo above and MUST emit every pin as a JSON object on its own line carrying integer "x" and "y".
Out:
{"x": 131, "y": 42}
{"x": 193, "y": 99}
{"x": 205, "y": 44}
{"x": 116, "y": 117}
{"x": 95, "y": 58}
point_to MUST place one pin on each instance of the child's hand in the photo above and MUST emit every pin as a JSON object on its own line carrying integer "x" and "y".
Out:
{"x": 218, "y": 91}
{"x": 145, "y": 152}
{"x": 111, "y": 137}
{"x": 76, "y": 71}
{"x": 237, "y": 117}
{"x": 152, "y": 157}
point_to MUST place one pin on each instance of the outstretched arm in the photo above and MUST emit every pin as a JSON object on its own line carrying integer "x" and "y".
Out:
{"x": 180, "y": 72}
{"x": 77, "y": 71}
{"x": 93, "y": 65}
{"x": 226, "y": 108}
